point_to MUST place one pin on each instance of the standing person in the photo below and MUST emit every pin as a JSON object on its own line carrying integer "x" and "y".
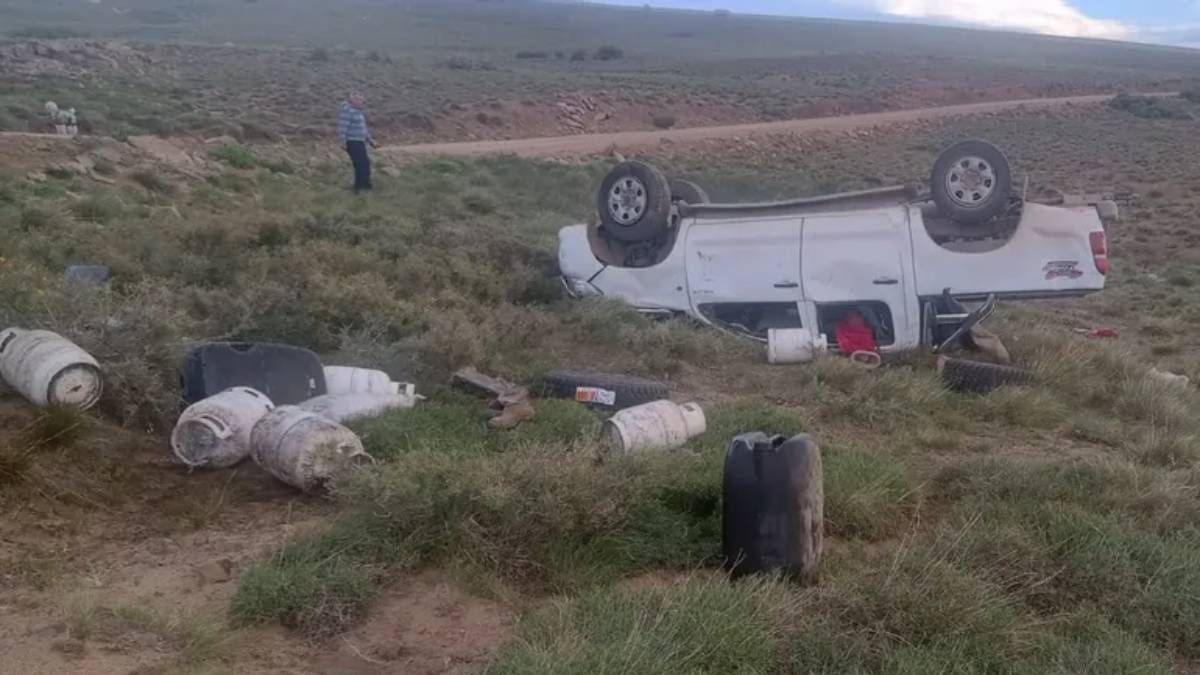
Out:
{"x": 352, "y": 131}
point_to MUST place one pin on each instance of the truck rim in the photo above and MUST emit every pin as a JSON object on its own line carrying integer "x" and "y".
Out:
{"x": 627, "y": 200}
{"x": 970, "y": 182}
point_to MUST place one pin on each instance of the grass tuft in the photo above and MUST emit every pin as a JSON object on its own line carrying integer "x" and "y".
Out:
{"x": 15, "y": 461}
{"x": 33, "y": 218}
{"x": 1160, "y": 447}
{"x": 866, "y": 494}
{"x": 99, "y": 209}
{"x": 456, "y": 424}
{"x": 57, "y": 426}
{"x": 320, "y": 595}
{"x": 152, "y": 181}
{"x": 694, "y": 626}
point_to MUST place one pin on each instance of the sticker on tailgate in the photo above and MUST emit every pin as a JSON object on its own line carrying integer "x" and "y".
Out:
{"x": 1062, "y": 269}
{"x": 595, "y": 395}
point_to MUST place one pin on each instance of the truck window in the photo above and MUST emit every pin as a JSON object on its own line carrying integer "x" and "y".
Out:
{"x": 877, "y": 315}
{"x": 753, "y": 318}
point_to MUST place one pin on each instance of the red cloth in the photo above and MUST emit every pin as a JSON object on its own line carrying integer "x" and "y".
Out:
{"x": 854, "y": 335}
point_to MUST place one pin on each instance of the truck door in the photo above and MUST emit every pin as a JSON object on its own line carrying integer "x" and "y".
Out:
{"x": 746, "y": 274}
{"x": 860, "y": 261}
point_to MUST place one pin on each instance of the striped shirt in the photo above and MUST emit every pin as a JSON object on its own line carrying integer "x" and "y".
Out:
{"x": 352, "y": 124}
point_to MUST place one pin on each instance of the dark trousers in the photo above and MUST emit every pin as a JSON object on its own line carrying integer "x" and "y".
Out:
{"x": 362, "y": 164}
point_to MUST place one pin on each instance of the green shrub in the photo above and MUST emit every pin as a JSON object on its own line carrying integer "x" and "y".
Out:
{"x": 1046, "y": 533}
{"x": 1108, "y": 379}
{"x": 1103, "y": 487}
{"x": 320, "y": 596}
{"x": 33, "y": 218}
{"x": 479, "y": 203}
{"x": 663, "y": 121}
{"x": 281, "y": 166}
{"x": 917, "y": 612}
{"x": 883, "y": 399}
{"x": 1020, "y": 407}
{"x": 456, "y": 424}
{"x": 1148, "y": 107}
{"x": 1159, "y": 447}
{"x": 236, "y": 155}
{"x": 548, "y": 519}
{"x": 1139, "y": 579}
{"x": 534, "y": 517}
{"x": 46, "y": 33}
{"x": 101, "y": 208}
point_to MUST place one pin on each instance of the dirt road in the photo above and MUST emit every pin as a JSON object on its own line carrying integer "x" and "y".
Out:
{"x": 626, "y": 141}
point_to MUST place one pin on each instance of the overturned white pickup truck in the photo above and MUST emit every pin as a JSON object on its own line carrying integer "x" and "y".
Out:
{"x": 901, "y": 259}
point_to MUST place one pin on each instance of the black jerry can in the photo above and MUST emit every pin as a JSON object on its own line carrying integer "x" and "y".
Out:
{"x": 773, "y": 506}
{"x": 286, "y": 374}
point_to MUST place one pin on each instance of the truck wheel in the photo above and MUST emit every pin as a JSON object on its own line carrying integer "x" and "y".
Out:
{"x": 602, "y": 390}
{"x": 971, "y": 182}
{"x": 975, "y": 377}
{"x": 635, "y": 202}
{"x": 687, "y": 192}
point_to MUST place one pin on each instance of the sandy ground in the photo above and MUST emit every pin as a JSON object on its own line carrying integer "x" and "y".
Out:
{"x": 98, "y": 580}
{"x": 628, "y": 141}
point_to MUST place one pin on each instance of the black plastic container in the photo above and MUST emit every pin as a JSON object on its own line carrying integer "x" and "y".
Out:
{"x": 287, "y": 375}
{"x": 773, "y": 511}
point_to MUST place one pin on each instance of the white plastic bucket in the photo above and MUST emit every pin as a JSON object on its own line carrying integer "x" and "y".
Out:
{"x": 660, "y": 425}
{"x": 302, "y": 448}
{"x": 347, "y": 380}
{"x": 215, "y": 433}
{"x": 48, "y": 369}
{"x": 793, "y": 345}
{"x": 345, "y": 407}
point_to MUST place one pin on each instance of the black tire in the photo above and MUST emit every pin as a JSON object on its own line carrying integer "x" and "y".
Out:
{"x": 687, "y": 192}
{"x": 630, "y": 391}
{"x": 975, "y": 377}
{"x": 971, "y": 182}
{"x": 634, "y": 202}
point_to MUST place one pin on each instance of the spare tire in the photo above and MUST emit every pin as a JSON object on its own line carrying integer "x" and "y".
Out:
{"x": 976, "y": 377}
{"x": 635, "y": 202}
{"x": 602, "y": 390}
{"x": 687, "y": 192}
{"x": 971, "y": 182}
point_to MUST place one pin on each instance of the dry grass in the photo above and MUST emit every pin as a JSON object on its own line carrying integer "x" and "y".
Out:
{"x": 1041, "y": 529}
{"x": 191, "y": 641}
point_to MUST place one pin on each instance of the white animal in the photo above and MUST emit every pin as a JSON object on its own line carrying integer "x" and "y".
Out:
{"x": 65, "y": 121}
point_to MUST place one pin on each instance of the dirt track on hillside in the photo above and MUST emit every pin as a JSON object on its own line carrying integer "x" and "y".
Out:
{"x": 626, "y": 141}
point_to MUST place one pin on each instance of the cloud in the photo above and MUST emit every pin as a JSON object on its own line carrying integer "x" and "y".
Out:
{"x": 1051, "y": 17}
{"x": 1182, "y": 34}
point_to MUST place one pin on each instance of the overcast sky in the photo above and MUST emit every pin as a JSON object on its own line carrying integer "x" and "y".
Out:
{"x": 1162, "y": 21}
